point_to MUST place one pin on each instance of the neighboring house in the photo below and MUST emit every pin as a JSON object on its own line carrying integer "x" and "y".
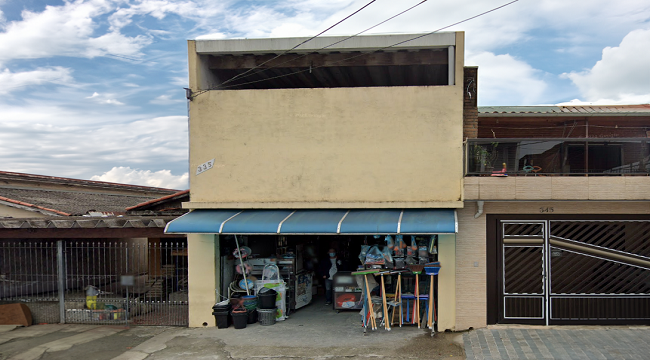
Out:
{"x": 60, "y": 235}
{"x": 564, "y": 237}
{"x": 327, "y": 144}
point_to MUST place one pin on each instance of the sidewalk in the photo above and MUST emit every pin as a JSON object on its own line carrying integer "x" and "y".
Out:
{"x": 558, "y": 342}
{"x": 318, "y": 334}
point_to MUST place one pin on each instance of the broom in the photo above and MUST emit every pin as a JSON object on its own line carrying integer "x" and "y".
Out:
{"x": 417, "y": 270}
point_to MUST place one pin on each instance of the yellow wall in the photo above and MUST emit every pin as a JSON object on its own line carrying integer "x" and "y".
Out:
{"x": 326, "y": 147}
{"x": 471, "y": 260}
{"x": 202, "y": 271}
{"x": 447, "y": 282}
{"x": 361, "y": 147}
{"x": 558, "y": 188}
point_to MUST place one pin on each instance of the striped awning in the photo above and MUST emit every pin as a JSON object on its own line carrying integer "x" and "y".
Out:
{"x": 321, "y": 221}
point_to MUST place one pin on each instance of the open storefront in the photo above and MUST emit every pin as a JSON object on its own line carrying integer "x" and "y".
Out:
{"x": 298, "y": 241}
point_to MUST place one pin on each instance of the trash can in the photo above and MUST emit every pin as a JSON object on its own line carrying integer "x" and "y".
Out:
{"x": 221, "y": 312}
{"x": 266, "y": 298}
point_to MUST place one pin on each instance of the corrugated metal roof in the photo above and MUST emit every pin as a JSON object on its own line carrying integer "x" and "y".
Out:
{"x": 573, "y": 110}
{"x": 87, "y": 223}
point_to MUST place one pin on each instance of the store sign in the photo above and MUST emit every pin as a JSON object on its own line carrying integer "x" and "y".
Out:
{"x": 204, "y": 167}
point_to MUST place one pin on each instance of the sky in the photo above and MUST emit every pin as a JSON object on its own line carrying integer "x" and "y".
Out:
{"x": 93, "y": 89}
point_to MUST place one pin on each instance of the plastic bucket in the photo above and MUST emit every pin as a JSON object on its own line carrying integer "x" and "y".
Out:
{"x": 222, "y": 318}
{"x": 252, "y": 316}
{"x": 267, "y": 299}
{"x": 239, "y": 319}
{"x": 250, "y": 302}
{"x": 266, "y": 316}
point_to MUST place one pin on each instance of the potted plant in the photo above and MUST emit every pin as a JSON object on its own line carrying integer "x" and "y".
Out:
{"x": 485, "y": 155}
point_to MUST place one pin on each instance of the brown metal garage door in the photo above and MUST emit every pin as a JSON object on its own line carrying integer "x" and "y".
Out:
{"x": 558, "y": 271}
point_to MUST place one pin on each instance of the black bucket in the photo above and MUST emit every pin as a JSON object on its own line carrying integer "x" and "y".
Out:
{"x": 252, "y": 316}
{"x": 239, "y": 319}
{"x": 222, "y": 318}
{"x": 266, "y": 300}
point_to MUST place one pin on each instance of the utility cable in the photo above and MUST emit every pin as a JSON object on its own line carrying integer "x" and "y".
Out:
{"x": 377, "y": 50}
{"x": 305, "y": 41}
{"x": 330, "y": 45}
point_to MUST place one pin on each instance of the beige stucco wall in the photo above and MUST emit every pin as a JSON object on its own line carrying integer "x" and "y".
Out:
{"x": 360, "y": 147}
{"x": 202, "y": 271}
{"x": 10, "y": 211}
{"x": 447, "y": 282}
{"x": 326, "y": 147}
{"x": 558, "y": 188}
{"x": 471, "y": 282}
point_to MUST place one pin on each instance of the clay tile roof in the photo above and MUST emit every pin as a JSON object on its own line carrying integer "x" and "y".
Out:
{"x": 179, "y": 194}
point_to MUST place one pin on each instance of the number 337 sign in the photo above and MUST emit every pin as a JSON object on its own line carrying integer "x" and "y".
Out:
{"x": 204, "y": 167}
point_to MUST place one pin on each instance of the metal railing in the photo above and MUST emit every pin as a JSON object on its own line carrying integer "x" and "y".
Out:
{"x": 137, "y": 281}
{"x": 575, "y": 156}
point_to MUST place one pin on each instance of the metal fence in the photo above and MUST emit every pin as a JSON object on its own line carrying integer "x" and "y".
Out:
{"x": 134, "y": 281}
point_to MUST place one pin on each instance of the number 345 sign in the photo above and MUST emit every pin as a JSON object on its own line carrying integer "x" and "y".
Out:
{"x": 204, "y": 167}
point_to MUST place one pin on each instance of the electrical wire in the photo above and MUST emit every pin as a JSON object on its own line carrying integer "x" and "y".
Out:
{"x": 365, "y": 54}
{"x": 332, "y": 44}
{"x": 305, "y": 41}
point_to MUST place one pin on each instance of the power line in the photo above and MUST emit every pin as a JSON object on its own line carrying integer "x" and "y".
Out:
{"x": 330, "y": 45}
{"x": 305, "y": 41}
{"x": 365, "y": 54}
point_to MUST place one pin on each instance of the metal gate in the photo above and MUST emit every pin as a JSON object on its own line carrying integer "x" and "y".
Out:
{"x": 138, "y": 281}
{"x": 574, "y": 271}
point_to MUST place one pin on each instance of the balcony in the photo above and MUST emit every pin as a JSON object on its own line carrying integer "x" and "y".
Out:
{"x": 557, "y": 157}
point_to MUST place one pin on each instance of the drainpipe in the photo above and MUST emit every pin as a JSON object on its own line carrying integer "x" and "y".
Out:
{"x": 479, "y": 208}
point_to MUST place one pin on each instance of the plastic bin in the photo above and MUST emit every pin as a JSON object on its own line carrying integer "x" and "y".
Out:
{"x": 266, "y": 316}
{"x": 239, "y": 319}
{"x": 222, "y": 318}
{"x": 266, "y": 300}
{"x": 252, "y": 316}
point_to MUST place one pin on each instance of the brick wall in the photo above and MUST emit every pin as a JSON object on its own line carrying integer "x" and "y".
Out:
{"x": 470, "y": 95}
{"x": 471, "y": 257}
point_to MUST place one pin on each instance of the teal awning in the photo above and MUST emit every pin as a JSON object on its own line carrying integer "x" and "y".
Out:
{"x": 322, "y": 222}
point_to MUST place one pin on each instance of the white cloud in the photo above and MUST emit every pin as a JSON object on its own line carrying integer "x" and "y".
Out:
{"x": 212, "y": 36}
{"x": 107, "y": 99}
{"x": 18, "y": 80}
{"x": 180, "y": 81}
{"x": 621, "y": 76}
{"x": 161, "y": 178}
{"x": 164, "y": 100}
{"x": 505, "y": 80}
{"x": 66, "y": 30}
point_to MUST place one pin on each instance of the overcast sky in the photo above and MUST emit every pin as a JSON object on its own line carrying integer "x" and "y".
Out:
{"x": 94, "y": 89}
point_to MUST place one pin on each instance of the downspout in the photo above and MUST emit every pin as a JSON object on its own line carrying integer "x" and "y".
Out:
{"x": 479, "y": 208}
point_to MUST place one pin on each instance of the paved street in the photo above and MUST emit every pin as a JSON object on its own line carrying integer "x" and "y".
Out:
{"x": 568, "y": 342}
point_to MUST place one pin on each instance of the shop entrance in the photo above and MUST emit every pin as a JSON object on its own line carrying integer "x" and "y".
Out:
{"x": 304, "y": 261}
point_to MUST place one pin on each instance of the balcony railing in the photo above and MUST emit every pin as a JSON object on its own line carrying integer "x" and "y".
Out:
{"x": 576, "y": 156}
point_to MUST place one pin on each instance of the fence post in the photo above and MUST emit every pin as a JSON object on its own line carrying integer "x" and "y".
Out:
{"x": 60, "y": 264}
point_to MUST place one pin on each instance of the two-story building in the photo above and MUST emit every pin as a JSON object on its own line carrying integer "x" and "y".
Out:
{"x": 564, "y": 237}
{"x": 328, "y": 144}
{"x": 540, "y": 214}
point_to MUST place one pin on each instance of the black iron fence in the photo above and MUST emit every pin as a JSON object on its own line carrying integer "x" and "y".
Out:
{"x": 575, "y": 156}
{"x": 135, "y": 281}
